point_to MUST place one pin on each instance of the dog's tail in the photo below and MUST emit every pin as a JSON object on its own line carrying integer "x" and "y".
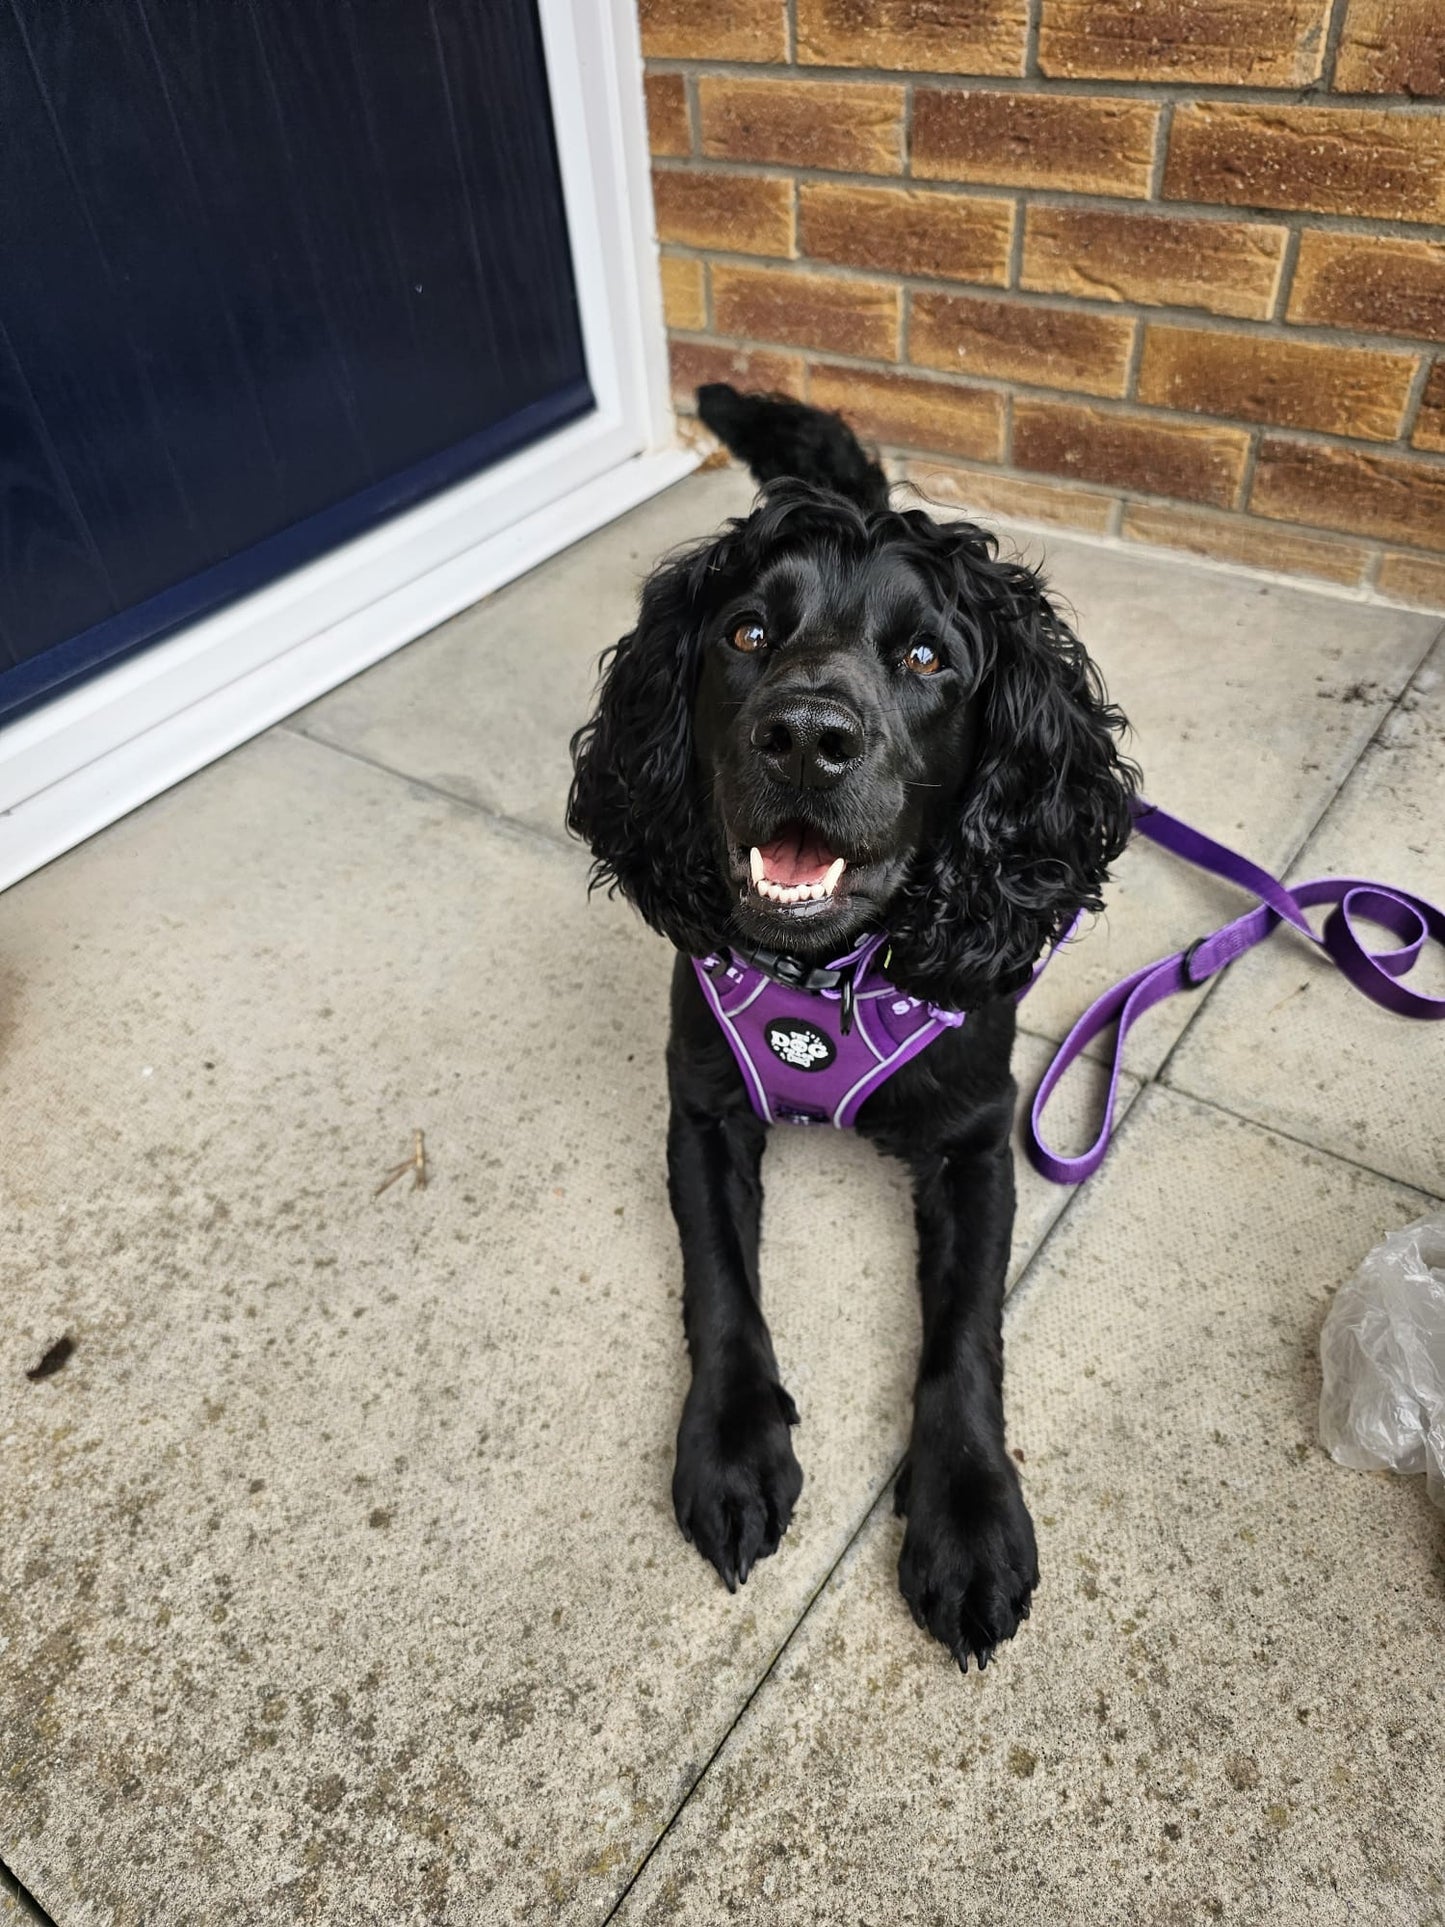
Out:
{"x": 779, "y": 438}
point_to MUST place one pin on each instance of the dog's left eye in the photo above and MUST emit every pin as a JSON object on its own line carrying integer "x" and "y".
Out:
{"x": 923, "y": 659}
{"x": 750, "y": 637}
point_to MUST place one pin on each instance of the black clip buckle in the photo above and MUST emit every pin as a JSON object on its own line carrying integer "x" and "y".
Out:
{"x": 845, "y": 1014}
{"x": 1191, "y": 982}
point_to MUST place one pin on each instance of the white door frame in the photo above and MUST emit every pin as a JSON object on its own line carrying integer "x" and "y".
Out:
{"x": 81, "y": 761}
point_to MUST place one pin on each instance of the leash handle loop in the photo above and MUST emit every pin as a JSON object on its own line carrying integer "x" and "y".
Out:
{"x": 1411, "y": 919}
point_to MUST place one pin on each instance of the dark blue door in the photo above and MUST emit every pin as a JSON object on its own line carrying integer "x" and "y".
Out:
{"x": 270, "y": 270}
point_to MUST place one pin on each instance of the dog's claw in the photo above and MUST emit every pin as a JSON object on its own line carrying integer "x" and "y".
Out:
{"x": 967, "y": 1558}
{"x": 737, "y": 1479}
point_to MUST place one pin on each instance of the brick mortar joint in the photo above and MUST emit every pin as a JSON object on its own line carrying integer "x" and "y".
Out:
{"x": 1334, "y": 31}
{"x": 1414, "y": 401}
{"x": 1288, "y": 264}
{"x": 1136, "y": 357}
{"x": 1031, "y": 40}
{"x": 1163, "y": 132}
{"x": 1092, "y": 200}
{"x": 1246, "y": 473}
{"x": 1306, "y": 99}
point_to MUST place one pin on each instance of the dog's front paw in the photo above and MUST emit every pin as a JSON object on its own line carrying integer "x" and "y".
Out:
{"x": 969, "y": 1563}
{"x": 737, "y": 1478}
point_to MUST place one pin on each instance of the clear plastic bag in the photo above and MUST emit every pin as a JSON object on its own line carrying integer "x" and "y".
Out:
{"x": 1383, "y": 1353}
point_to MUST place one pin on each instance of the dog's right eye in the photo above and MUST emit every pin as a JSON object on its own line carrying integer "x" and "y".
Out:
{"x": 750, "y": 637}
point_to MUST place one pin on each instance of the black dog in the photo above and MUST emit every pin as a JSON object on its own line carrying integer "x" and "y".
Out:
{"x": 833, "y": 678}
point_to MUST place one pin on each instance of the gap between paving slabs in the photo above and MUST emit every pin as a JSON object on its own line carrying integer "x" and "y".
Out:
{"x": 18, "y": 1906}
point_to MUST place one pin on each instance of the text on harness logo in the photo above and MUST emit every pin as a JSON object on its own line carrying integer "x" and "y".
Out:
{"x": 799, "y": 1044}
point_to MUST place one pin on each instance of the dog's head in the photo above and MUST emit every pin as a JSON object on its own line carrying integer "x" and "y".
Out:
{"x": 830, "y": 720}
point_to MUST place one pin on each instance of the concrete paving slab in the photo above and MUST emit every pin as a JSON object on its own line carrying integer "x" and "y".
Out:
{"x": 339, "y": 1580}
{"x": 484, "y": 706}
{"x": 1228, "y": 1702}
{"x": 1285, "y": 1039}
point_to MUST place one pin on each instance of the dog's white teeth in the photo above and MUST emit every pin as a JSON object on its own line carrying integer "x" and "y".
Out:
{"x": 787, "y": 892}
{"x": 794, "y": 892}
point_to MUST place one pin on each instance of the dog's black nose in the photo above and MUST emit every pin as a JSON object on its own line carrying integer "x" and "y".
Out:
{"x": 810, "y": 742}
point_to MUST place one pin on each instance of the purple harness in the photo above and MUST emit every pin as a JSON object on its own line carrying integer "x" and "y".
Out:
{"x": 812, "y": 1045}
{"x": 812, "y": 1050}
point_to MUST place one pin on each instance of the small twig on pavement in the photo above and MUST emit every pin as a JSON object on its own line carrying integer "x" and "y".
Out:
{"x": 1286, "y": 997}
{"x": 415, "y": 1163}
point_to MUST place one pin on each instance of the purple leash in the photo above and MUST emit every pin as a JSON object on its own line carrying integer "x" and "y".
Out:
{"x": 1409, "y": 918}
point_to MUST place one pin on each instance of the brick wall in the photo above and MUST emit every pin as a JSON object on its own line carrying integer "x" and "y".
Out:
{"x": 1172, "y": 269}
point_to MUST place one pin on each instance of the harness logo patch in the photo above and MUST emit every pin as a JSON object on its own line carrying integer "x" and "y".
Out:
{"x": 798, "y": 1044}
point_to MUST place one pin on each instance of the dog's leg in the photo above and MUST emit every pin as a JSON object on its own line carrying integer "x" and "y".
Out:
{"x": 737, "y": 1479}
{"x": 969, "y": 1562}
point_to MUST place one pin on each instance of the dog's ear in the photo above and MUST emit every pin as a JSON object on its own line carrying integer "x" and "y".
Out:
{"x": 1044, "y": 810}
{"x": 634, "y": 793}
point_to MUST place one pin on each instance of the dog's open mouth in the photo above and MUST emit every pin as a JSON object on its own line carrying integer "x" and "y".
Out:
{"x": 797, "y": 866}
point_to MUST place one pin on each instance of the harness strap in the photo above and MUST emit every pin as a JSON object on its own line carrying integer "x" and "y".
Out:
{"x": 1411, "y": 919}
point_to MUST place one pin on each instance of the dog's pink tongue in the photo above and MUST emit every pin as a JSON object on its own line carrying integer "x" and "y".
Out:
{"x": 799, "y": 856}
